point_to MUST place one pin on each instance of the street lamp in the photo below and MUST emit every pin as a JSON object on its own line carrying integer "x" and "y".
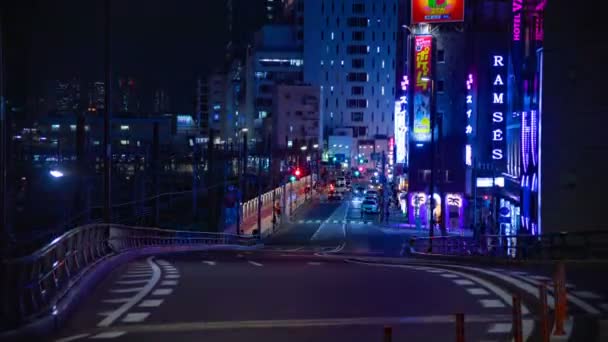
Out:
{"x": 56, "y": 173}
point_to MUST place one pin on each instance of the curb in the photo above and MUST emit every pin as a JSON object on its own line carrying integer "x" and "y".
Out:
{"x": 50, "y": 322}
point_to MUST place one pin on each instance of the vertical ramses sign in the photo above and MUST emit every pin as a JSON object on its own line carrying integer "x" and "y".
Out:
{"x": 498, "y": 106}
{"x": 422, "y": 88}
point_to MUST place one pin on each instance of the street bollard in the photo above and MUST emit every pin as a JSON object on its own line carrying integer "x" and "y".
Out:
{"x": 561, "y": 301}
{"x": 517, "y": 330}
{"x": 388, "y": 334}
{"x": 459, "y": 327}
{"x": 544, "y": 312}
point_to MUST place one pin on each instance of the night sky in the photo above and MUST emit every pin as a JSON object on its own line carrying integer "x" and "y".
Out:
{"x": 161, "y": 43}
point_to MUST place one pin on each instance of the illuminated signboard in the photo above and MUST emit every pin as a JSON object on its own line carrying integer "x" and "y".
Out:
{"x": 517, "y": 10}
{"x": 437, "y": 11}
{"x": 470, "y": 120}
{"x": 400, "y": 123}
{"x": 422, "y": 88}
{"x": 498, "y": 106}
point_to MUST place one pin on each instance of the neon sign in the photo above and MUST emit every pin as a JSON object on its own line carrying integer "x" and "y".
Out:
{"x": 517, "y": 9}
{"x": 400, "y": 123}
{"x": 498, "y": 107}
{"x": 470, "y": 120}
{"x": 422, "y": 91}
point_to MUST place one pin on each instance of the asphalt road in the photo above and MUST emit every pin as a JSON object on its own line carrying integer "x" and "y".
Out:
{"x": 280, "y": 296}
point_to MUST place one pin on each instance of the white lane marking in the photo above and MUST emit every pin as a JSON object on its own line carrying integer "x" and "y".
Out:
{"x": 539, "y": 277}
{"x": 586, "y": 294}
{"x": 151, "y": 303}
{"x": 170, "y": 270}
{"x": 448, "y": 275}
{"x": 210, "y": 263}
{"x": 435, "y": 271}
{"x": 135, "y": 299}
{"x": 162, "y": 292}
{"x": 72, "y": 338}
{"x": 135, "y": 317}
{"x": 463, "y": 282}
{"x": 132, "y": 282}
{"x": 168, "y": 283}
{"x": 497, "y": 290}
{"x": 172, "y": 276}
{"x": 477, "y": 291}
{"x": 525, "y": 286}
{"x": 491, "y": 303}
{"x": 116, "y": 300}
{"x": 500, "y": 328}
{"x": 255, "y": 263}
{"x": 518, "y": 273}
{"x": 127, "y": 290}
{"x": 109, "y": 334}
{"x": 314, "y": 263}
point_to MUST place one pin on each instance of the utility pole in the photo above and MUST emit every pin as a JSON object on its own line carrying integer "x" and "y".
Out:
{"x": 384, "y": 189}
{"x": 107, "y": 142}
{"x": 242, "y": 172}
{"x": 195, "y": 179}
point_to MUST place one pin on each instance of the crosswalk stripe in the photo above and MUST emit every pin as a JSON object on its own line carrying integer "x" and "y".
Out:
{"x": 151, "y": 303}
{"x": 492, "y": 303}
{"x": 586, "y": 294}
{"x": 478, "y": 291}
{"x": 500, "y": 328}
{"x": 131, "y": 282}
{"x": 136, "y": 317}
{"x": 162, "y": 292}
{"x": 127, "y": 290}
{"x": 116, "y": 300}
{"x": 168, "y": 283}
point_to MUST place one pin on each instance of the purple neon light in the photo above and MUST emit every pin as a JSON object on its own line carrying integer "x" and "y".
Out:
{"x": 533, "y": 136}
{"x": 524, "y": 140}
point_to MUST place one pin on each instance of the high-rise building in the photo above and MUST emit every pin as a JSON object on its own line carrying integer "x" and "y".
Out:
{"x": 350, "y": 51}
{"x": 127, "y": 97}
{"x": 216, "y": 85}
{"x": 161, "y": 101}
{"x": 275, "y": 58}
{"x": 67, "y": 96}
{"x": 202, "y": 106}
{"x": 96, "y": 98}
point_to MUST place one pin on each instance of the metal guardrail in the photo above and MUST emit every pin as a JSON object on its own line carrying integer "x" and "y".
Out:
{"x": 564, "y": 245}
{"x": 31, "y": 286}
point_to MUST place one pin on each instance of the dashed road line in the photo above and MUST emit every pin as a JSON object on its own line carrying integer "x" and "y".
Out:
{"x": 255, "y": 263}
{"x": 156, "y": 273}
{"x": 72, "y": 338}
{"x": 162, "y": 292}
{"x": 477, "y": 291}
{"x": 463, "y": 282}
{"x": 135, "y": 317}
{"x": 491, "y": 303}
{"x": 151, "y": 303}
{"x": 109, "y": 334}
{"x": 448, "y": 275}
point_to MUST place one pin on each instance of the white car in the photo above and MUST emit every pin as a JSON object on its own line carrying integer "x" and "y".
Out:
{"x": 371, "y": 193}
{"x": 370, "y": 206}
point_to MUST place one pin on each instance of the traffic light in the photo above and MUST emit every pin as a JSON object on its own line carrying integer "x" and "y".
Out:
{"x": 292, "y": 178}
{"x": 357, "y": 173}
{"x": 297, "y": 173}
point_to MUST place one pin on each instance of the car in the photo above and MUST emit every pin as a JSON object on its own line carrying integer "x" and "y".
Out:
{"x": 372, "y": 193}
{"x": 359, "y": 191}
{"x": 370, "y": 206}
{"x": 334, "y": 196}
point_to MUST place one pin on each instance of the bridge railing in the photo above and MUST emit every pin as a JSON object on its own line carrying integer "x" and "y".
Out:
{"x": 563, "y": 245}
{"x": 32, "y": 286}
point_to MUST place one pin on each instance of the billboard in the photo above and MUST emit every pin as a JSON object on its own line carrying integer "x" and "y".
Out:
{"x": 498, "y": 106}
{"x": 401, "y": 123}
{"x": 422, "y": 88}
{"x": 437, "y": 11}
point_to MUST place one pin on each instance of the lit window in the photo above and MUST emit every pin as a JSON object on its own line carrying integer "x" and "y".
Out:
{"x": 96, "y": 142}
{"x": 382, "y": 90}
{"x": 72, "y": 128}
{"x": 262, "y": 114}
{"x": 378, "y": 49}
{"x": 289, "y": 143}
{"x": 55, "y": 127}
{"x": 124, "y": 127}
{"x": 124, "y": 142}
{"x": 382, "y": 64}
{"x": 332, "y": 36}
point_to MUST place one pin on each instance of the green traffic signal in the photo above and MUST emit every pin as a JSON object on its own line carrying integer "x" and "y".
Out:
{"x": 292, "y": 178}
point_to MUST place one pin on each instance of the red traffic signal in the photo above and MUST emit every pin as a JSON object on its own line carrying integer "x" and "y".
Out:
{"x": 298, "y": 172}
